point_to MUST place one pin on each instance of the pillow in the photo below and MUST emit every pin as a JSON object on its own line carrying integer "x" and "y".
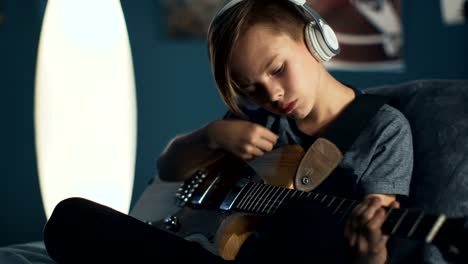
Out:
{"x": 27, "y": 253}
{"x": 437, "y": 111}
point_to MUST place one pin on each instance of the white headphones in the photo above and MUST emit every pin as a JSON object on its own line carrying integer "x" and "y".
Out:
{"x": 320, "y": 37}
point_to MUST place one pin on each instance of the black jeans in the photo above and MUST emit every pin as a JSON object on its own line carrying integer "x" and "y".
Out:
{"x": 82, "y": 231}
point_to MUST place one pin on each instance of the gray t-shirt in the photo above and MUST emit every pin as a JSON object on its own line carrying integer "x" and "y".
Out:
{"x": 379, "y": 161}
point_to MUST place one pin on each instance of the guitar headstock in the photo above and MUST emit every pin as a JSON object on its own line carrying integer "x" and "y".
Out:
{"x": 186, "y": 191}
{"x": 452, "y": 240}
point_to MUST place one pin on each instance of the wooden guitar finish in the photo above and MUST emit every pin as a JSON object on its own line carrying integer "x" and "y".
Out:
{"x": 223, "y": 232}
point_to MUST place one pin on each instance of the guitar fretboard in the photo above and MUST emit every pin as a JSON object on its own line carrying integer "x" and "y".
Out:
{"x": 263, "y": 199}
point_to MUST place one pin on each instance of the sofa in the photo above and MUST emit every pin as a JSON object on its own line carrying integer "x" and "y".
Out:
{"x": 438, "y": 114}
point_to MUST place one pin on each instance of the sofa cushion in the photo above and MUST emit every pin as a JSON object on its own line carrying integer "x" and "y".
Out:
{"x": 437, "y": 111}
{"x": 438, "y": 114}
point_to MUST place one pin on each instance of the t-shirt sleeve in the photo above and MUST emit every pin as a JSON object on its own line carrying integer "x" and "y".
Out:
{"x": 391, "y": 164}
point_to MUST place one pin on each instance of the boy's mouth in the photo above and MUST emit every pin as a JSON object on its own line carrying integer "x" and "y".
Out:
{"x": 289, "y": 107}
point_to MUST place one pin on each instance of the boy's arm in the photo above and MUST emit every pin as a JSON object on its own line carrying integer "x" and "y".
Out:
{"x": 184, "y": 154}
{"x": 187, "y": 153}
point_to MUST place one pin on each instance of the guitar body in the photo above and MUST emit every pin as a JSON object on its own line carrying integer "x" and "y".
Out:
{"x": 219, "y": 231}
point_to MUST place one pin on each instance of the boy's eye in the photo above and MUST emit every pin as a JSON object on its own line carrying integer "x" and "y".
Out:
{"x": 278, "y": 70}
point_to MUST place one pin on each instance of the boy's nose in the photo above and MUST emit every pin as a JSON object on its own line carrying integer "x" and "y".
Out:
{"x": 274, "y": 92}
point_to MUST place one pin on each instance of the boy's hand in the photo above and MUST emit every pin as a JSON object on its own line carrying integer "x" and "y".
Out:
{"x": 244, "y": 139}
{"x": 364, "y": 233}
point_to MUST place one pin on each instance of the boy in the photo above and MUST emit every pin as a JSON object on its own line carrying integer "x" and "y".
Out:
{"x": 264, "y": 52}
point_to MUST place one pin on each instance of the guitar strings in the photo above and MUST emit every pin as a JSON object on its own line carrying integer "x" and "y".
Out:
{"x": 258, "y": 195}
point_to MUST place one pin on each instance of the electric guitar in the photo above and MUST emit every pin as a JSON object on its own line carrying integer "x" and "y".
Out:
{"x": 223, "y": 203}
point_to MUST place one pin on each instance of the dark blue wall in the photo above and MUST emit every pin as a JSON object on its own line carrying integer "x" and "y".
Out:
{"x": 174, "y": 89}
{"x": 21, "y": 212}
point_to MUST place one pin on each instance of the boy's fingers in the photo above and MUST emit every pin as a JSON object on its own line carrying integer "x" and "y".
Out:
{"x": 264, "y": 145}
{"x": 267, "y": 134}
{"x": 395, "y": 204}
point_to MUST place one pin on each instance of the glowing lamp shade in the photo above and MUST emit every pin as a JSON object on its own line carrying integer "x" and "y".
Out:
{"x": 85, "y": 104}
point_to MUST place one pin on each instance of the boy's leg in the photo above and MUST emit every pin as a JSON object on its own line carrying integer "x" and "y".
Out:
{"x": 82, "y": 231}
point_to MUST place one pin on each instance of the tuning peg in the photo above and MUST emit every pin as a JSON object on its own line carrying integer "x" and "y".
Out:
{"x": 172, "y": 223}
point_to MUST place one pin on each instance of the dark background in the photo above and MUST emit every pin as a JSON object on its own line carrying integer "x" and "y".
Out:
{"x": 175, "y": 91}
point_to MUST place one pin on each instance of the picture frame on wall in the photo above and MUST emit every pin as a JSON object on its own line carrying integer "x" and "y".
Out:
{"x": 2, "y": 12}
{"x": 369, "y": 31}
{"x": 370, "y": 34}
{"x": 188, "y": 19}
{"x": 454, "y": 12}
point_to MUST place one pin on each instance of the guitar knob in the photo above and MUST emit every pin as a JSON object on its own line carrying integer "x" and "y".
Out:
{"x": 172, "y": 223}
{"x": 305, "y": 180}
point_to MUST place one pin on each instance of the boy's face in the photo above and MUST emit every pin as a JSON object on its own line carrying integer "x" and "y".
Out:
{"x": 276, "y": 72}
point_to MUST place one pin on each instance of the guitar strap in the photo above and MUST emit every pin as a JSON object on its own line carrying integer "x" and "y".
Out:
{"x": 326, "y": 153}
{"x": 349, "y": 125}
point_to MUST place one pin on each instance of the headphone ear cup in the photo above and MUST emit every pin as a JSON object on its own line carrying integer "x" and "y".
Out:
{"x": 317, "y": 44}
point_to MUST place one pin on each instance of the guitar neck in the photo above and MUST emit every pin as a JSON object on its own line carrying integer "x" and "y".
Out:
{"x": 263, "y": 199}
